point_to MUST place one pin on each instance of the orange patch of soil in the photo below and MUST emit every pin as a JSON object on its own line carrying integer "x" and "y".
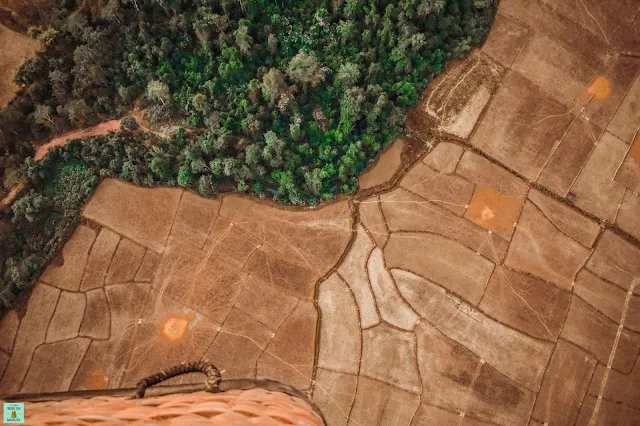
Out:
{"x": 600, "y": 89}
{"x": 174, "y": 327}
{"x": 493, "y": 210}
{"x": 97, "y": 380}
{"x": 100, "y": 129}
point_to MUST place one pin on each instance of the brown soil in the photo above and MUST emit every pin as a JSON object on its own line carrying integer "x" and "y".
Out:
{"x": 17, "y": 14}
{"x": 385, "y": 168}
{"x": 635, "y": 150}
{"x": 15, "y": 47}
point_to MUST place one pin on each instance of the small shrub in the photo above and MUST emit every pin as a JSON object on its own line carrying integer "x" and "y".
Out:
{"x": 129, "y": 123}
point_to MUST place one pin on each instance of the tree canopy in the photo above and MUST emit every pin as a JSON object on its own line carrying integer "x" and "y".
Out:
{"x": 329, "y": 80}
{"x": 288, "y": 100}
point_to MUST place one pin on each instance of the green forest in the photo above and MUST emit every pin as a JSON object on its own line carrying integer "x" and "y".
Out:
{"x": 284, "y": 100}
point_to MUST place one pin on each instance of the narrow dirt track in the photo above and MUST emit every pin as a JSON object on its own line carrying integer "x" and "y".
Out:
{"x": 98, "y": 130}
{"x": 11, "y": 196}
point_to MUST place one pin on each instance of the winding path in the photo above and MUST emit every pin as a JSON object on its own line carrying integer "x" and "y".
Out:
{"x": 97, "y": 130}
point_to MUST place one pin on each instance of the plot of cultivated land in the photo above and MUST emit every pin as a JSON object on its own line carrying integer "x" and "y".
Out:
{"x": 488, "y": 286}
{"x": 15, "y": 47}
{"x": 432, "y": 312}
{"x": 386, "y": 167}
{"x": 457, "y": 316}
{"x": 459, "y": 95}
{"x": 162, "y": 276}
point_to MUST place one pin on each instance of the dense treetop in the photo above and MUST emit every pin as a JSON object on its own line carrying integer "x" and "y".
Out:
{"x": 288, "y": 98}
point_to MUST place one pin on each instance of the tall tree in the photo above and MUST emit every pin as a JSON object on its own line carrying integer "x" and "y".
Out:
{"x": 306, "y": 69}
{"x": 348, "y": 74}
{"x": 243, "y": 39}
{"x": 273, "y": 85}
{"x": 158, "y": 91}
{"x": 273, "y": 150}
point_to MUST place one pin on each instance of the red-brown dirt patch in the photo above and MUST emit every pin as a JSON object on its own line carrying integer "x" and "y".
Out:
{"x": 97, "y": 380}
{"x": 600, "y": 89}
{"x": 493, "y": 210}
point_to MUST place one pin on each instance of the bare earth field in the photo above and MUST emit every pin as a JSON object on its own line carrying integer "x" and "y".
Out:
{"x": 14, "y": 48}
{"x": 493, "y": 279}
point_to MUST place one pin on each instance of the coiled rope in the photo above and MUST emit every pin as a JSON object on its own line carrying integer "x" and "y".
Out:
{"x": 212, "y": 381}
